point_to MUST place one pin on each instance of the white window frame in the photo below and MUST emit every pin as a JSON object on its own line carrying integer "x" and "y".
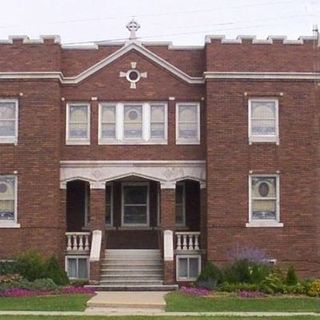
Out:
{"x": 263, "y": 138}
{"x": 146, "y": 124}
{"x": 78, "y": 141}
{"x": 12, "y": 223}
{"x": 183, "y": 184}
{"x": 111, "y": 205}
{"x": 183, "y": 140}
{"x": 77, "y": 257}
{"x": 264, "y": 223}
{"x": 131, "y": 184}
{"x": 12, "y": 139}
{"x": 178, "y": 257}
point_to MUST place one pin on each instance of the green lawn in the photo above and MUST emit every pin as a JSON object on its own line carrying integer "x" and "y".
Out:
{"x": 180, "y": 302}
{"x": 76, "y": 302}
{"x": 152, "y": 318}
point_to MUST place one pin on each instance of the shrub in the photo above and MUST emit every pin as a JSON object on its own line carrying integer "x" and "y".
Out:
{"x": 54, "y": 271}
{"x": 210, "y": 276}
{"x": 273, "y": 283}
{"x": 43, "y": 284}
{"x": 246, "y": 271}
{"x": 234, "y": 287}
{"x": 291, "y": 278}
{"x": 79, "y": 283}
{"x": 9, "y": 278}
{"x": 31, "y": 266}
{"x": 314, "y": 290}
{"x": 8, "y": 267}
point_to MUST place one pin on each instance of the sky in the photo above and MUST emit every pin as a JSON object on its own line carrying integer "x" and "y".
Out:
{"x": 184, "y": 22}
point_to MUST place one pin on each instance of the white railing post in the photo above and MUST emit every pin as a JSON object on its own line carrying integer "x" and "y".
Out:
{"x": 168, "y": 245}
{"x": 178, "y": 241}
{"x": 69, "y": 244}
{"x": 96, "y": 245}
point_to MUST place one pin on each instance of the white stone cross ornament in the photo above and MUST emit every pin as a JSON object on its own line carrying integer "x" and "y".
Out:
{"x": 133, "y": 75}
{"x": 133, "y": 26}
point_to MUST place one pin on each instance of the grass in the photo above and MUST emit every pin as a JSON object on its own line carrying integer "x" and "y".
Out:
{"x": 152, "y": 318}
{"x": 76, "y": 302}
{"x": 180, "y": 302}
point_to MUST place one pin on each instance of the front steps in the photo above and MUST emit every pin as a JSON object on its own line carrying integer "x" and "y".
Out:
{"x": 132, "y": 270}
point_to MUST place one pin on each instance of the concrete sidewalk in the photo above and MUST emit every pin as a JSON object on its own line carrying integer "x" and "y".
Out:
{"x": 151, "y": 301}
{"x": 118, "y": 312}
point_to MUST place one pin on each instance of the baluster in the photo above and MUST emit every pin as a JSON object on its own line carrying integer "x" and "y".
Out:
{"x": 69, "y": 243}
{"x": 75, "y": 243}
{"x": 80, "y": 248}
{"x": 196, "y": 242}
{"x": 178, "y": 242}
{"x": 184, "y": 244}
{"x": 190, "y": 242}
{"x": 86, "y": 246}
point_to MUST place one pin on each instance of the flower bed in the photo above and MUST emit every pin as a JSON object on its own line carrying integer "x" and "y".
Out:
{"x": 199, "y": 292}
{"x": 18, "y": 292}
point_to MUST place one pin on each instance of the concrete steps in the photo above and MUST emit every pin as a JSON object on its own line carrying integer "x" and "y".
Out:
{"x": 132, "y": 270}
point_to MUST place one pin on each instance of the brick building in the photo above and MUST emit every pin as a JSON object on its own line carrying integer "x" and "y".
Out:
{"x": 165, "y": 156}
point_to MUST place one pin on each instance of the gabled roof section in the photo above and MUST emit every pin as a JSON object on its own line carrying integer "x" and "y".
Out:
{"x": 138, "y": 47}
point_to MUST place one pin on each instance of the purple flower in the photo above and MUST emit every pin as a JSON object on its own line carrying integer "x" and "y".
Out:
{"x": 251, "y": 294}
{"x": 199, "y": 292}
{"x": 76, "y": 290}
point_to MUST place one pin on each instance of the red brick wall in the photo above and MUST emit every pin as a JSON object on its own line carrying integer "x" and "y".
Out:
{"x": 230, "y": 157}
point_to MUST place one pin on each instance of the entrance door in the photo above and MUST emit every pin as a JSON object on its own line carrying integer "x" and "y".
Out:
{"x": 135, "y": 204}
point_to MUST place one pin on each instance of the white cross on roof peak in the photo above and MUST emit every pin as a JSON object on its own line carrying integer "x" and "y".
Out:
{"x": 133, "y": 26}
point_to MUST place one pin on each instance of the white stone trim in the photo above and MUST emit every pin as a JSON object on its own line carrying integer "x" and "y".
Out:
{"x": 263, "y": 75}
{"x": 95, "y": 246}
{"x": 168, "y": 253}
{"x": 166, "y": 172}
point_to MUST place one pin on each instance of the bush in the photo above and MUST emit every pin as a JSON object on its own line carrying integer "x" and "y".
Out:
{"x": 291, "y": 278}
{"x": 246, "y": 271}
{"x": 31, "y": 266}
{"x": 43, "y": 284}
{"x": 55, "y": 272}
{"x": 273, "y": 283}
{"x": 210, "y": 276}
{"x": 8, "y": 267}
{"x": 314, "y": 290}
{"x": 235, "y": 287}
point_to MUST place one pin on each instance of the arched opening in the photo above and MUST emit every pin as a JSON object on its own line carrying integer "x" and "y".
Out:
{"x": 78, "y": 205}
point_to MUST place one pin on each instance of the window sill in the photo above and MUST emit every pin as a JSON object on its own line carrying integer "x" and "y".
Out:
{"x": 191, "y": 142}
{"x": 264, "y": 224}
{"x": 76, "y": 143}
{"x": 9, "y": 141}
{"x": 132, "y": 142}
{"x": 9, "y": 225}
{"x": 264, "y": 139}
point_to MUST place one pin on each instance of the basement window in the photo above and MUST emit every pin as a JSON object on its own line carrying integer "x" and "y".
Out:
{"x": 77, "y": 267}
{"x": 188, "y": 267}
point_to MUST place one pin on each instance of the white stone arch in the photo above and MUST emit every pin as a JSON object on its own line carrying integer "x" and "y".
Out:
{"x": 63, "y": 183}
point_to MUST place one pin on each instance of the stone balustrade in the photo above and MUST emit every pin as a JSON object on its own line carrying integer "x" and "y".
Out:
{"x": 187, "y": 241}
{"x": 78, "y": 242}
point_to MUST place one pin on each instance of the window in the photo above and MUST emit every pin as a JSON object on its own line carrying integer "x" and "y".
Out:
{"x": 188, "y": 123}
{"x": 8, "y": 201}
{"x": 78, "y": 123}
{"x": 77, "y": 267}
{"x": 264, "y": 200}
{"x": 188, "y": 267}
{"x": 8, "y": 121}
{"x": 109, "y": 205}
{"x": 133, "y": 123}
{"x": 263, "y": 120}
{"x": 135, "y": 204}
{"x": 180, "y": 204}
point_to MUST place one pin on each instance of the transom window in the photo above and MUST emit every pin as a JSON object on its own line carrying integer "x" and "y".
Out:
{"x": 8, "y": 121}
{"x": 264, "y": 199}
{"x": 130, "y": 123}
{"x": 135, "y": 204}
{"x": 78, "y": 123}
{"x": 8, "y": 211}
{"x": 188, "y": 123}
{"x": 263, "y": 120}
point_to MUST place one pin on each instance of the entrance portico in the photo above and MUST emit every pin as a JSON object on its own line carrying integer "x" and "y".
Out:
{"x": 132, "y": 203}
